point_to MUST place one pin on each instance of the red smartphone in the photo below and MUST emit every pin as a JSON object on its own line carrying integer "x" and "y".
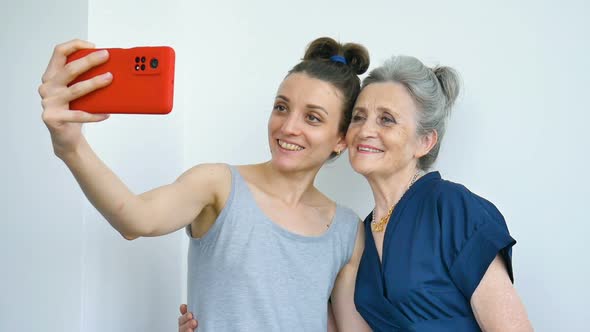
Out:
{"x": 143, "y": 81}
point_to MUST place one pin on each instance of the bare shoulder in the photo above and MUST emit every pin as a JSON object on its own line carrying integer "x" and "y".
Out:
{"x": 214, "y": 178}
{"x": 208, "y": 173}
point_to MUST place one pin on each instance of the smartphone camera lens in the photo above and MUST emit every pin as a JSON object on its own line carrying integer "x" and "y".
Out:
{"x": 142, "y": 59}
{"x": 154, "y": 63}
{"x": 137, "y": 59}
{"x": 142, "y": 67}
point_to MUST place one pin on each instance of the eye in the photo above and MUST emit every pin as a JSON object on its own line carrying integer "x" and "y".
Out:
{"x": 387, "y": 119}
{"x": 280, "y": 108}
{"x": 312, "y": 118}
{"x": 357, "y": 117}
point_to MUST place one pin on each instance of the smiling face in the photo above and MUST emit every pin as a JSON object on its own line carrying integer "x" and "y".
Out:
{"x": 303, "y": 126}
{"x": 382, "y": 136}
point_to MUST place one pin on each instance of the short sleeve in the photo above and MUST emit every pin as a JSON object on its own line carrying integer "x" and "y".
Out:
{"x": 473, "y": 232}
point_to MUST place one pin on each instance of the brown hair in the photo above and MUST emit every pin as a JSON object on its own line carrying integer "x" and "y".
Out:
{"x": 344, "y": 76}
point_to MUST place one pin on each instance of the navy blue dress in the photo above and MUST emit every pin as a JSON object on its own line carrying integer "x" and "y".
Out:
{"x": 439, "y": 242}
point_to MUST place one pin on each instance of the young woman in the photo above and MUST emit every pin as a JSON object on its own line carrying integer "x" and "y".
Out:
{"x": 267, "y": 249}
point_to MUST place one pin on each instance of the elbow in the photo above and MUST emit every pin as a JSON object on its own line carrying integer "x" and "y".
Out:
{"x": 132, "y": 233}
{"x": 129, "y": 237}
{"x": 132, "y": 221}
{"x": 131, "y": 230}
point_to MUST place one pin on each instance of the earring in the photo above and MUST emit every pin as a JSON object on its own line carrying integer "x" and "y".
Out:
{"x": 337, "y": 152}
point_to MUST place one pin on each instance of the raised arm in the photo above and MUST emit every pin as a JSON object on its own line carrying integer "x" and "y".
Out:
{"x": 157, "y": 212}
{"x": 345, "y": 314}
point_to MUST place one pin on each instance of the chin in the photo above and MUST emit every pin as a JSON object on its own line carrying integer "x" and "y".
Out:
{"x": 362, "y": 167}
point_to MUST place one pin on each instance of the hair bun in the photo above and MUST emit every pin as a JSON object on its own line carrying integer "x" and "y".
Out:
{"x": 449, "y": 81}
{"x": 321, "y": 49}
{"x": 356, "y": 55}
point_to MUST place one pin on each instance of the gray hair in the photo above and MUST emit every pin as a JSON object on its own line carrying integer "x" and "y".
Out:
{"x": 433, "y": 89}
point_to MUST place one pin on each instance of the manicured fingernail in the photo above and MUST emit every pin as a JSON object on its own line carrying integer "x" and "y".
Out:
{"x": 106, "y": 76}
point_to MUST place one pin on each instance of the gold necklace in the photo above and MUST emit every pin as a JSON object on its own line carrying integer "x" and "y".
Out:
{"x": 379, "y": 226}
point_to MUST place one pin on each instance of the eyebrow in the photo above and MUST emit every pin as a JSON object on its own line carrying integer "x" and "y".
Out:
{"x": 317, "y": 107}
{"x": 312, "y": 106}
{"x": 381, "y": 109}
{"x": 283, "y": 98}
{"x": 385, "y": 109}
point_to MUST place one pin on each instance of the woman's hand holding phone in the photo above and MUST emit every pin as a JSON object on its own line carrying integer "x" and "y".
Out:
{"x": 96, "y": 83}
{"x": 65, "y": 125}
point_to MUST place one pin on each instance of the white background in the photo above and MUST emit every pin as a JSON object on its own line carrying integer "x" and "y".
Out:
{"x": 517, "y": 137}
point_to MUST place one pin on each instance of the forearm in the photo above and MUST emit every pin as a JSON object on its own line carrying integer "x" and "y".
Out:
{"x": 106, "y": 192}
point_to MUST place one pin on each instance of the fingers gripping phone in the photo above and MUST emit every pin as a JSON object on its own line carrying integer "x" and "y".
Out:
{"x": 143, "y": 81}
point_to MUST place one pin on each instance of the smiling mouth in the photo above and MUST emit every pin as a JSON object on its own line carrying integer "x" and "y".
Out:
{"x": 289, "y": 146}
{"x": 368, "y": 149}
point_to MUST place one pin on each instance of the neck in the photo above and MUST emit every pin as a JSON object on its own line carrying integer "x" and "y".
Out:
{"x": 389, "y": 189}
{"x": 292, "y": 188}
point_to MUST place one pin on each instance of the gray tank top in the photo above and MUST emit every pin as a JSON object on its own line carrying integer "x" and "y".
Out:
{"x": 249, "y": 274}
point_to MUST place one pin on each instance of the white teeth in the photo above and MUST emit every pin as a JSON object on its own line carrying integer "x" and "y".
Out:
{"x": 364, "y": 149}
{"x": 289, "y": 146}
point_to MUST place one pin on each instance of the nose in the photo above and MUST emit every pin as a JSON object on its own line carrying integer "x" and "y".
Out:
{"x": 292, "y": 125}
{"x": 368, "y": 129}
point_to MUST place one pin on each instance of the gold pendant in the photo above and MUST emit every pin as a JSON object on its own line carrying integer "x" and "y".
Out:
{"x": 379, "y": 227}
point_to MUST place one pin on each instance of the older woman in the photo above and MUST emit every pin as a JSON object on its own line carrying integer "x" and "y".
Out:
{"x": 437, "y": 257}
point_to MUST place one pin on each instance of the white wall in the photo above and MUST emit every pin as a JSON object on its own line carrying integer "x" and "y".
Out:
{"x": 63, "y": 267}
{"x": 516, "y": 137}
{"x": 40, "y": 203}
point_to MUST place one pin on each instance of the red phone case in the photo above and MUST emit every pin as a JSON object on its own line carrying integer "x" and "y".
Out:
{"x": 143, "y": 81}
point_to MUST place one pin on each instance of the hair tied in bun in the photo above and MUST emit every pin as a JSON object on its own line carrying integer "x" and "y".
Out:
{"x": 338, "y": 58}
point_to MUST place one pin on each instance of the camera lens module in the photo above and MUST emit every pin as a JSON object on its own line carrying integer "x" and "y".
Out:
{"x": 154, "y": 63}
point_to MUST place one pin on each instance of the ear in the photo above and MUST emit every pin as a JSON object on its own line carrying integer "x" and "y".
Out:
{"x": 340, "y": 145}
{"x": 426, "y": 143}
